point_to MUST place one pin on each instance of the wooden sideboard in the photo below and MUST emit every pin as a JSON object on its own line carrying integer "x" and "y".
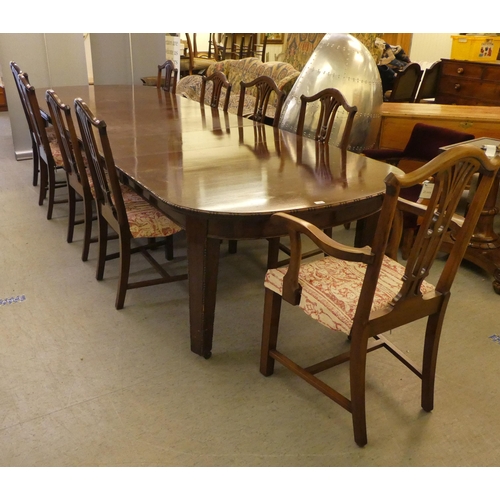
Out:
{"x": 469, "y": 83}
{"x": 398, "y": 120}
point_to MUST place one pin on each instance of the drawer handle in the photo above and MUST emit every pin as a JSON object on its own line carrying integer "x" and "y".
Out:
{"x": 460, "y": 71}
{"x": 457, "y": 86}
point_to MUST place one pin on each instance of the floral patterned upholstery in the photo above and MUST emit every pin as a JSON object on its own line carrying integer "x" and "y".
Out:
{"x": 236, "y": 71}
{"x": 56, "y": 153}
{"x": 144, "y": 220}
{"x": 331, "y": 288}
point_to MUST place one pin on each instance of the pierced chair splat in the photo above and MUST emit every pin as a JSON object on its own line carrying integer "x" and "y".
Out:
{"x": 265, "y": 87}
{"x": 169, "y": 81}
{"x": 219, "y": 81}
{"x": 364, "y": 292}
{"x": 329, "y": 101}
{"x": 424, "y": 144}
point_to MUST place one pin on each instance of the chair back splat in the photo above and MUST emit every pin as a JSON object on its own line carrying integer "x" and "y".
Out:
{"x": 219, "y": 82}
{"x": 330, "y": 101}
{"x": 169, "y": 81}
{"x": 364, "y": 293}
{"x": 265, "y": 87}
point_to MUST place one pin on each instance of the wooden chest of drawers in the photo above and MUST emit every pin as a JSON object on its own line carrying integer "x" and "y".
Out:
{"x": 469, "y": 83}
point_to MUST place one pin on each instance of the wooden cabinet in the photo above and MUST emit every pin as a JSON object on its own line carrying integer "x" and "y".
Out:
{"x": 3, "y": 100}
{"x": 469, "y": 83}
{"x": 399, "y": 118}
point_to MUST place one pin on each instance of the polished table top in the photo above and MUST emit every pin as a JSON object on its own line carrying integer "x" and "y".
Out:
{"x": 222, "y": 176}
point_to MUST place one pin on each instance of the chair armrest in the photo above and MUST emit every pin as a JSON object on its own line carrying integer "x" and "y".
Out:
{"x": 296, "y": 227}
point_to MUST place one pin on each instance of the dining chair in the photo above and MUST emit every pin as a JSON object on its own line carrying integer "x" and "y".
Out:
{"x": 406, "y": 84}
{"x": 169, "y": 81}
{"x": 330, "y": 100}
{"x": 219, "y": 81}
{"x": 429, "y": 84}
{"x": 121, "y": 208}
{"x": 365, "y": 292}
{"x": 265, "y": 86}
{"x": 79, "y": 180}
{"x": 321, "y": 121}
{"x": 49, "y": 154}
{"x": 424, "y": 144}
{"x": 197, "y": 62}
{"x": 16, "y": 71}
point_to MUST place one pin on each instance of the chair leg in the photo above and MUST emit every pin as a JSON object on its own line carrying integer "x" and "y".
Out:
{"x": 124, "y": 271}
{"x": 71, "y": 213}
{"x": 36, "y": 163}
{"x": 272, "y": 309}
{"x": 273, "y": 253}
{"x": 232, "y": 246}
{"x": 103, "y": 243}
{"x": 43, "y": 181}
{"x": 431, "y": 344}
{"x": 169, "y": 247}
{"x": 357, "y": 370}
{"x": 52, "y": 191}
{"x": 87, "y": 227}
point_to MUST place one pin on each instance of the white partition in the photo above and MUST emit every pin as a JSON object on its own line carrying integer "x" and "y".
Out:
{"x": 50, "y": 59}
{"x": 111, "y": 58}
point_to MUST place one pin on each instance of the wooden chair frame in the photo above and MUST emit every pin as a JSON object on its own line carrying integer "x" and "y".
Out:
{"x": 16, "y": 71}
{"x": 219, "y": 81}
{"x": 76, "y": 173}
{"x": 451, "y": 172}
{"x": 406, "y": 84}
{"x": 48, "y": 167}
{"x": 330, "y": 100}
{"x": 111, "y": 207}
{"x": 265, "y": 87}
{"x": 171, "y": 76}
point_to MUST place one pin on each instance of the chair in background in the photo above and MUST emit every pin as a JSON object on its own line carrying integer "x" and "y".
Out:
{"x": 197, "y": 62}
{"x": 78, "y": 176}
{"x": 429, "y": 84}
{"x": 169, "y": 81}
{"x": 265, "y": 87}
{"x": 219, "y": 81}
{"x": 423, "y": 145}
{"x": 406, "y": 84}
{"x": 49, "y": 154}
{"x": 16, "y": 71}
{"x": 330, "y": 100}
{"x": 364, "y": 293}
{"x": 118, "y": 206}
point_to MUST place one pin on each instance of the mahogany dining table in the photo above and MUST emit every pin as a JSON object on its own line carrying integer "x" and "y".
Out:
{"x": 221, "y": 176}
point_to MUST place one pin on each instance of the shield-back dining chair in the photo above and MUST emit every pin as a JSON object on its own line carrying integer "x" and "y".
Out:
{"x": 365, "y": 292}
